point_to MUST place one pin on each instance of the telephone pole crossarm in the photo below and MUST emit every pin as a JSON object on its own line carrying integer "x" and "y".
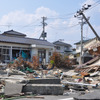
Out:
{"x": 80, "y": 12}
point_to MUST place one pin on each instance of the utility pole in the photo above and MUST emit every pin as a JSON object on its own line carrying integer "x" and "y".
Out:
{"x": 81, "y": 54}
{"x": 81, "y": 23}
{"x": 80, "y": 12}
{"x": 43, "y": 34}
{"x": 91, "y": 26}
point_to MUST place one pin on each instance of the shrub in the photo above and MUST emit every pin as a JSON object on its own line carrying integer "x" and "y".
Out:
{"x": 56, "y": 59}
{"x": 60, "y": 61}
{"x": 35, "y": 60}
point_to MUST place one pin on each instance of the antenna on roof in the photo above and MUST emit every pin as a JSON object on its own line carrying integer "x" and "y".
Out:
{"x": 9, "y": 25}
{"x": 43, "y": 34}
{"x": 61, "y": 40}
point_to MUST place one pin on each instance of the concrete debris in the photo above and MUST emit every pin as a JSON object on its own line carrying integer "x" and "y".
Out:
{"x": 69, "y": 73}
{"x": 89, "y": 96}
{"x": 95, "y": 73}
{"x": 12, "y": 88}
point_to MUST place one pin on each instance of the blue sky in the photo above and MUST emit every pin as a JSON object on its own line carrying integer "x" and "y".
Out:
{"x": 25, "y": 16}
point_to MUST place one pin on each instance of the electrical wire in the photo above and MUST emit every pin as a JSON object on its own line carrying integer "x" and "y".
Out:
{"x": 38, "y": 31}
{"x": 31, "y": 23}
{"x": 63, "y": 27}
{"x": 67, "y": 15}
{"x": 94, "y": 5}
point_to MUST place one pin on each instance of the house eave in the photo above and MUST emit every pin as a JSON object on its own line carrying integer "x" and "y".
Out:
{"x": 42, "y": 46}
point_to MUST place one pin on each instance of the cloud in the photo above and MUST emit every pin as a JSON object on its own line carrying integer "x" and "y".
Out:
{"x": 27, "y": 22}
{"x": 30, "y": 23}
{"x": 42, "y": 11}
{"x": 17, "y": 17}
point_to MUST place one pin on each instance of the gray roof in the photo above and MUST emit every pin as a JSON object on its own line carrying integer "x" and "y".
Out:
{"x": 12, "y": 32}
{"x": 84, "y": 41}
{"x": 61, "y": 43}
{"x": 24, "y": 40}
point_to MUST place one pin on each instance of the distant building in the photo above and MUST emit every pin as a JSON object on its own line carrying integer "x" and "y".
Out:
{"x": 62, "y": 47}
{"x": 86, "y": 55}
{"x": 13, "y": 44}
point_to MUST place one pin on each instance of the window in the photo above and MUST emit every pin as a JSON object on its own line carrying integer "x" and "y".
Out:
{"x": 42, "y": 55}
{"x": 58, "y": 47}
{"x": 66, "y": 48}
{"x": 49, "y": 53}
{"x": 5, "y": 53}
{"x": 77, "y": 47}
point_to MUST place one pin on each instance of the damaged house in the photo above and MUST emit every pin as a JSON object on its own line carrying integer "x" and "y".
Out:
{"x": 86, "y": 55}
{"x": 13, "y": 44}
{"x": 93, "y": 48}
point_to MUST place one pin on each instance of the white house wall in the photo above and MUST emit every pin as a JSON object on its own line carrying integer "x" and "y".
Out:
{"x": 47, "y": 55}
{"x": 90, "y": 43}
{"x": 42, "y": 46}
{"x": 48, "y": 49}
{"x": 34, "y": 52}
{"x": 61, "y": 50}
{"x": 34, "y": 49}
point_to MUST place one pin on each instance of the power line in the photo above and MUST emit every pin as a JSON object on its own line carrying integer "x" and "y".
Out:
{"x": 66, "y": 17}
{"x": 63, "y": 27}
{"x": 30, "y": 23}
{"x": 94, "y": 5}
{"x": 96, "y": 2}
{"x": 38, "y": 31}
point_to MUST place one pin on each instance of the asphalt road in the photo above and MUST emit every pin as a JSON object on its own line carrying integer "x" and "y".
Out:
{"x": 48, "y": 98}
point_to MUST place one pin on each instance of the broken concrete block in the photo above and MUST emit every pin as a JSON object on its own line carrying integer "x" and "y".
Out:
{"x": 44, "y": 89}
{"x": 89, "y": 96}
{"x": 12, "y": 88}
{"x": 45, "y": 81}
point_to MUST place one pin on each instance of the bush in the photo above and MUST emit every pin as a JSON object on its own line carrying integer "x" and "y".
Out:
{"x": 35, "y": 60}
{"x": 60, "y": 61}
{"x": 56, "y": 59}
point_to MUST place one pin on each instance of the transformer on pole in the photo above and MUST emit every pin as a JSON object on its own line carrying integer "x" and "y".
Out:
{"x": 43, "y": 34}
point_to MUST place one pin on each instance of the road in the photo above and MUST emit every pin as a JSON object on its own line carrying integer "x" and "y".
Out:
{"x": 48, "y": 98}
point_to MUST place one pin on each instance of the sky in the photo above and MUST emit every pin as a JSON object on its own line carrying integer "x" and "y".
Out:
{"x": 25, "y": 16}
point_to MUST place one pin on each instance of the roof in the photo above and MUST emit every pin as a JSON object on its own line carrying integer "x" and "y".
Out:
{"x": 24, "y": 40}
{"x": 84, "y": 41}
{"x": 61, "y": 43}
{"x": 12, "y": 32}
{"x": 94, "y": 45}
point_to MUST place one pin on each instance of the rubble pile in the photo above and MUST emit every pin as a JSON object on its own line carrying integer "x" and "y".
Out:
{"x": 22, "y": 77}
